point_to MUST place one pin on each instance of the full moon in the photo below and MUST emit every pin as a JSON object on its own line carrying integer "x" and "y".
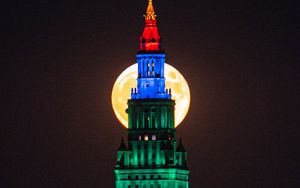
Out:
{"x": 127, "y": 80}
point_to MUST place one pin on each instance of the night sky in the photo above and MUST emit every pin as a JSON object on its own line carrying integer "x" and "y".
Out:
{"x": 59, "y": 60}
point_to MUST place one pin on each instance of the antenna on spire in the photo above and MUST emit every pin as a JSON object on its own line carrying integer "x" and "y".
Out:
{"x": 150, "y": 13}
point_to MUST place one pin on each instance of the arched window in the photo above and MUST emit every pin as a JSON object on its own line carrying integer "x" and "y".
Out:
{"x": 146, "y": 120}
{"x": 153, "y": 73}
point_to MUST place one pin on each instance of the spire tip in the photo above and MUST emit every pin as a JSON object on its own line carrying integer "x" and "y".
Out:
{"x": 150, "y": 13}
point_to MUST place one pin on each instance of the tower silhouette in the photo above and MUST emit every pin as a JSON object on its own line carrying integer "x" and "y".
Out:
{"x": 150, "y": 158}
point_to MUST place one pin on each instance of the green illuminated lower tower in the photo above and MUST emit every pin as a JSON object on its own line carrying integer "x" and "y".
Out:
{"x": 150, "y": 158}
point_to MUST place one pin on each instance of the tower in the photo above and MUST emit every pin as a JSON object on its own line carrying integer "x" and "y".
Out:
{"x": 150, "y": 157}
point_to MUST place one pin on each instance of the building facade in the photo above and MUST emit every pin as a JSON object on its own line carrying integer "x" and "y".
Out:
{"x": 150, "y": 158}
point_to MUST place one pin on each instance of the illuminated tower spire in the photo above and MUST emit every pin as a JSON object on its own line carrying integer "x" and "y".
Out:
{"x": 150, "y": 13}
{"x": 151, "y": 159}
{"x": 150, "y": 39}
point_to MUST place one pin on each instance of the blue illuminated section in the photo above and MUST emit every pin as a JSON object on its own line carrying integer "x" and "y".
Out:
{"x": 151, "y": 79}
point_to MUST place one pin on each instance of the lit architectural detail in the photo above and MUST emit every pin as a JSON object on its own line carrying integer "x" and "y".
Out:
{"x": 150, "y": 158}
{"x": 150, "y": 39}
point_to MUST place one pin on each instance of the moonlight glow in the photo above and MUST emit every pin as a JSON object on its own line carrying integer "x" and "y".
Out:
{"x": 127, "y": 80}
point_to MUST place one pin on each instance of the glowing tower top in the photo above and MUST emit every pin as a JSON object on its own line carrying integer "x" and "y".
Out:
{"x": 151, "y": 61}
{"x": 150, "y": 39}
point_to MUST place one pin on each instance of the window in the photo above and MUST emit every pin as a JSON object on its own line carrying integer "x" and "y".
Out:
{"x": 146, "y": 120}
{"x": 146, "y": 137}
{"x": 153, "y": 137}
{"x": 153, "y": 123}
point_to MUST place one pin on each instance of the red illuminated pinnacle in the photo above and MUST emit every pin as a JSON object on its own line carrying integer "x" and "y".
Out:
{"x": 150, "y": 39}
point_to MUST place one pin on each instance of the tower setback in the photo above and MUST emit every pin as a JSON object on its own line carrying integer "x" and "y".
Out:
{"x": 150, "y": 158}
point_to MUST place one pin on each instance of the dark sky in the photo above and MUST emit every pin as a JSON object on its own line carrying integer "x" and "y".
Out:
{"x": 59, "y": 60}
